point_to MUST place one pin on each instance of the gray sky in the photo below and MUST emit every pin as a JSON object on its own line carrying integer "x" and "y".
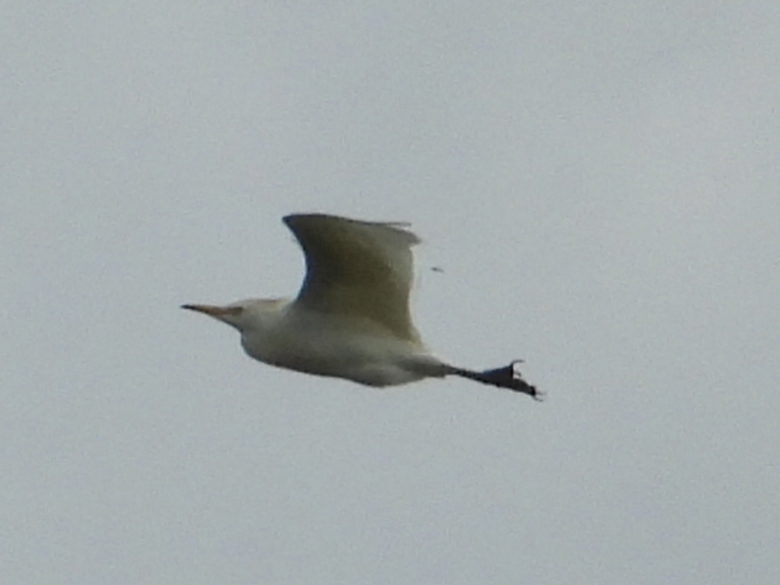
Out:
{"x": 599, "y": 182}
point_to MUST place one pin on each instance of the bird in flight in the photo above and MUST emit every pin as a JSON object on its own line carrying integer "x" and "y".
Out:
{"x": 351, "y": 318}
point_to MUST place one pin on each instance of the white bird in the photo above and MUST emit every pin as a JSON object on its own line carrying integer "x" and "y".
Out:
{"x": 351, "y": 318}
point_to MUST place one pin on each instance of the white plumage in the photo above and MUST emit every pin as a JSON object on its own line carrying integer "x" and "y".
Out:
{"x": 351, "y": 318}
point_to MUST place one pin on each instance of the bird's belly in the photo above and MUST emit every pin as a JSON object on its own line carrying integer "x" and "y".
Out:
{"x": 372, "y": 360}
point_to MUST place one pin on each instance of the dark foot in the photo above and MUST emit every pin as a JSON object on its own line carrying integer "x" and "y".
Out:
{"x": 506, "y": 377}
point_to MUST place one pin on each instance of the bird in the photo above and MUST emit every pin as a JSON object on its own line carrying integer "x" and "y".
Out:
{"x": 351, "y": 318}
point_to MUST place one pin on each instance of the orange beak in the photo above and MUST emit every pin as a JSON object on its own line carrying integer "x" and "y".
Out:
{"x": 213, "y": 310}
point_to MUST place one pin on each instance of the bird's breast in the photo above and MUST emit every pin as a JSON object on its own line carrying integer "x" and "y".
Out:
{"x": 327, "y": 346}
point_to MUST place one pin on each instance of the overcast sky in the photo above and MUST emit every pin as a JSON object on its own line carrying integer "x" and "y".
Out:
{"x": 598, "y": 180}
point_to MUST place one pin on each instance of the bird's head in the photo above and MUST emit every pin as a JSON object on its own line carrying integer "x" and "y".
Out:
{"x": 249, "y": 313}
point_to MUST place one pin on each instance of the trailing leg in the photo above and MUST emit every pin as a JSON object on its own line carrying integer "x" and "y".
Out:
{"x": 506, "y": 377}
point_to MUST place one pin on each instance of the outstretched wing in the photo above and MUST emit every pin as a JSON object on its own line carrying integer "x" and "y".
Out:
{"x": 357, "y": 269}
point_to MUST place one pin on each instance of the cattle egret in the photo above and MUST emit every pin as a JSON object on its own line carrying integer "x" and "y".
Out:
{"x": 351, "y": 318}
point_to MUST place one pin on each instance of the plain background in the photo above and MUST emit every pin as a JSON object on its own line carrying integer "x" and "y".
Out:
{"x": 598, "y": 181}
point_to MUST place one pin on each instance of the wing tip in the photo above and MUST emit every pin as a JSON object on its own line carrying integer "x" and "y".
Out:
{"x": 400, "y": 227}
